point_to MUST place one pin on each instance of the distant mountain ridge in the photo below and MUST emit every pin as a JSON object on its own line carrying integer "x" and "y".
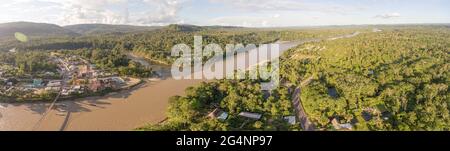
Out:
{"x": 7, "y": 30}
{"x": 87, "y": 29}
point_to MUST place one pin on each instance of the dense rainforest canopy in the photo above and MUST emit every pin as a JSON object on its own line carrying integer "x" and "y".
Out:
{"x": 384, "y": 78}
{"x": 392, "y": 78}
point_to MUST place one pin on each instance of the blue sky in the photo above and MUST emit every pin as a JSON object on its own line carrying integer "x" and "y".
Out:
{"x": 251, "y": 13}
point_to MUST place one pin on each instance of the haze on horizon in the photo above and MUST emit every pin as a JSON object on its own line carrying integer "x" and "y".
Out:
{"x": 247, "y": 13}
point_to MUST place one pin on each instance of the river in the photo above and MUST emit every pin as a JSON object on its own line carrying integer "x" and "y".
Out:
{"x": 126, "y": 110}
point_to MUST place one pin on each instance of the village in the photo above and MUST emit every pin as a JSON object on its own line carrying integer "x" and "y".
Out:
{"x": 74, "y": 77}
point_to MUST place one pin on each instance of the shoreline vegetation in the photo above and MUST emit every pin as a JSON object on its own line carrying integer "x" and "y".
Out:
{"x": 149, "y": 59}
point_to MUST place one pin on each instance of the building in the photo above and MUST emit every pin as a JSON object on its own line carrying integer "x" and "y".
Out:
{"x": 332, "y": 92}
{"x": 118, "y": 80}
{"x": 78, "y": 89}
{"x": 255, "y": 116}
{"x": 37, "y": 83}
{"x": 99, "y": 84}
{"x": 95, "y": 85}
{"x": 339, "y": 126}
{"x": 55, "y": 83}
{"x": 52, "y": 88}
{"x": 218, "y": 114}
{"x": 11, "y": 81}
{"x": 290, "y": 119}
{"x": 83, "y": 71}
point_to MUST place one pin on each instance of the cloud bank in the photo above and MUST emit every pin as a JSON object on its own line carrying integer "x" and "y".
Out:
{"x": 253, "y": 13}
{"x": 66, "y": 12}
{"x": 388, "y": 15}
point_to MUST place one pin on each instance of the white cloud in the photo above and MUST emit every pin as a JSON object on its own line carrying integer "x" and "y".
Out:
{"x": 388, "y": 15}
{"x": 245, "y": 21}
{"x": 65, "y": 12}
{"x": 28, "y": 10}
{"x": 90, "y": 11}
{"x": 286, "y": 5}
{"x": 166, "y": 12}
{"x": 275, "y": 16}
{"x": 156, "y": 12}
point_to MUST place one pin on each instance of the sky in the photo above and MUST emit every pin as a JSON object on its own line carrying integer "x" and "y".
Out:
{"x": 248, "y": 13}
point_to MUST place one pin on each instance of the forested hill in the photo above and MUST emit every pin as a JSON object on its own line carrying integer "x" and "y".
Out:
{"x": 90, "y": 29}
{"x": 43, "y": 30}
{"x": 7, "y": 30}
{"x": 193, "y": 28}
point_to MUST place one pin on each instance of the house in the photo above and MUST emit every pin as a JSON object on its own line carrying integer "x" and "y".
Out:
{"x": 76, "y": 87}
{"x": 366, "y": 115}
{"x": 339, "y": 126}
{"x": 11, "y": 81}
{"x": 290, "y": 119}
{"x": 54, "y": 83}
{"x": 37, "y": 83}
{"x": 369, "y": 112}
{"x": 218, "y": 114}
{"x": 96, "y": 73}
{"x": 52, "y": 88}
{"x": 346, "y": 126}
{"x": 79, "y": 81}
{"x": 95, "y": 85}
{"x": 108, "y": 83}
{"x": 118, "y": 80}
{"x": 83, "y": 71}
{"x": 332, "y": 92}
{"x": 255, "y": 116}
{"x": 65, "y": 92}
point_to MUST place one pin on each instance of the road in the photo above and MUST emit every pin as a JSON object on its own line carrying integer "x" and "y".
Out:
{"x": 300, "y": 111}
{"x": 305, "y": 123}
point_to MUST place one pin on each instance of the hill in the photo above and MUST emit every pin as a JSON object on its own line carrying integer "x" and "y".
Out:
{"x": 7, "y": 30}
{"x": 88, "y": 29}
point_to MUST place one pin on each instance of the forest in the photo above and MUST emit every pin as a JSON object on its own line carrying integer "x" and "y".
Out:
{"x": 155, "y": 45}
{"x": 190, "y": 112}
{"x": 391, "y": 78}
{"x": 26, "y": 63}
{"x": 395, "y": 79}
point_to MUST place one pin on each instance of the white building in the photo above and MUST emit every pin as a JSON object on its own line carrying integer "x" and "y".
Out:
{"x": 255, "y": 116}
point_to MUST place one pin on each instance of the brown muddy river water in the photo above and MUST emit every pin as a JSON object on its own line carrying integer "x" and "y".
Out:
{"x": 124, "y": 110}
{"x": 118, "y": 111}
